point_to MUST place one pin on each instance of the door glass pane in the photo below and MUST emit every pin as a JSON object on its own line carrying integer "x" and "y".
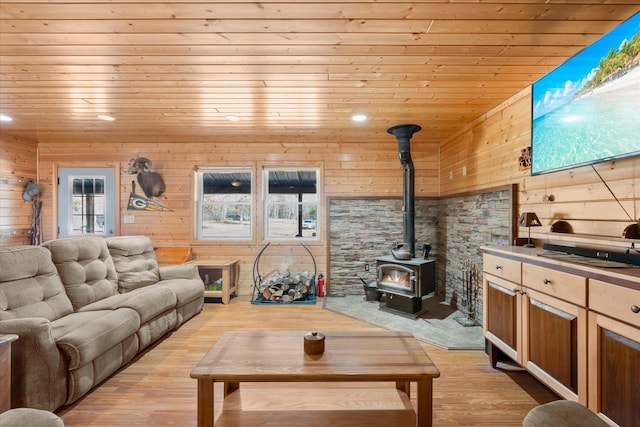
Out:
{"x": 87, "y": 205}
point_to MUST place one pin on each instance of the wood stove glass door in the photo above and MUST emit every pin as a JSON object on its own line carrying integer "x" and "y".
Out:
{"x": 396, "y": 278}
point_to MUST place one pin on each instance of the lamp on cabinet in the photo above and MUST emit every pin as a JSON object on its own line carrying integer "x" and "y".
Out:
{"x": 529, "y": 219}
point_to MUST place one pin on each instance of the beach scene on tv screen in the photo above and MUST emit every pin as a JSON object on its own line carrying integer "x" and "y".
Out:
{"x": 587, "y": 109}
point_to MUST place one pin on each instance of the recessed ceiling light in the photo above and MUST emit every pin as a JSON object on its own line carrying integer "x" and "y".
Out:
{"x": 4, "y": 118}
{"x": 359, "y": 118}
{"x": 106, "y": 118}
{"x": 232, "y": 118}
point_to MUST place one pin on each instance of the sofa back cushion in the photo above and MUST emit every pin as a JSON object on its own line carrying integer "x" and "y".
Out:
{"x": 86, "y": 268}
{"x": 135, "y": 261}
{"x": 30, "y": 285}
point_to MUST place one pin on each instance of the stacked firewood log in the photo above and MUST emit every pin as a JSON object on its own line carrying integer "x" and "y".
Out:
{"x": 287, "y": 287}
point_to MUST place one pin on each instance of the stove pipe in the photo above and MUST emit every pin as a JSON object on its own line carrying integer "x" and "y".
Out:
{"x": 403, "y": 134}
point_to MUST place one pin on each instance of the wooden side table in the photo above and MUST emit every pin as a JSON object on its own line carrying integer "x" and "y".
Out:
{"x": 5, "y": 371}
{"x": 225, "y": 271}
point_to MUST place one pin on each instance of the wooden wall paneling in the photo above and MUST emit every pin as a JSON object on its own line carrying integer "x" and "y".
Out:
{"x": 346, "y": 170}
{"x": 490, "y": 147}
{"x": 18, "y": 165}
{"x": 487, "y": 148}
{"x": 583, "y": 200}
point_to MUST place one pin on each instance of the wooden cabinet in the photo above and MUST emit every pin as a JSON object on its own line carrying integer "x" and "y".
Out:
{"x": 571, "y": 327}
{"x": 526, "y": 319}
{"x": 502, "y": 325}
{"x": 555, "y": 324}
{"x": 556, "y": 344}
{"x": 614, "y": 352}
{"x": 501, "y": 302}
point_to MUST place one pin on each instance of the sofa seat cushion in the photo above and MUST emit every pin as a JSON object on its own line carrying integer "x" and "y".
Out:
{"x": 30, "y": 285}
{"x": 190, "y": 296}
{"x": 85, "y": 336}
{"x": 148, "y": 302}
{"x": 135, "y": 261}
{"x": 186, "y": 290}
{"x": 85, "y": 267}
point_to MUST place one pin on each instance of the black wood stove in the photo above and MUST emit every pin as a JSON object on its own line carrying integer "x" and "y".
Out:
{"x": 405, "y": 282}
{"x": 404, "y": 278}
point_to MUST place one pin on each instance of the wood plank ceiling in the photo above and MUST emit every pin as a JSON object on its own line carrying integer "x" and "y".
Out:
{"x": 174, "y": 71}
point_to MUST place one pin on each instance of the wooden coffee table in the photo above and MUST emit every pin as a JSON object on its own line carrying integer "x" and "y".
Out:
{"x": 349, "y": 356}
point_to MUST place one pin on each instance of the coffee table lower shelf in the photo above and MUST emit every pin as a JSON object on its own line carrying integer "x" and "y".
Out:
{"x": 349, "y": 357}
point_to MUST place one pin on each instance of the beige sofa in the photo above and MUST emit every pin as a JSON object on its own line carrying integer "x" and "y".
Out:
{"x": 83, "y": 307}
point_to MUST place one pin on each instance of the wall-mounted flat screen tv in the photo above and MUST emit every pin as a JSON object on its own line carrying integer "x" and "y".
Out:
{"x": 587, "y": 110}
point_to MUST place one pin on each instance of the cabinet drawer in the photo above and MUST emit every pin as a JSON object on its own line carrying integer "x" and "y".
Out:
{"x": 614, "y": 301}
{"x": 565, "y": 286}
{"x": 502, "y": 267}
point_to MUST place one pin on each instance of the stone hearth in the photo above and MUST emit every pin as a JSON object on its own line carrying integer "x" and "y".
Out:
{"x": 437, "y": 326}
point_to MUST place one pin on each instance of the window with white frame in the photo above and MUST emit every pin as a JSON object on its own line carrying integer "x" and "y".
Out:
{"x": 224, "y": 203}
{"x": 291, "y": 203}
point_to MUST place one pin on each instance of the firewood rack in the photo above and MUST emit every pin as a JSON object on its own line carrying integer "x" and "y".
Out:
{"x": 259, "y": 283}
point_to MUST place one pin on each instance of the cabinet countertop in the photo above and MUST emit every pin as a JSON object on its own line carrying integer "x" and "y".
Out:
{"x": 623, "y": 276}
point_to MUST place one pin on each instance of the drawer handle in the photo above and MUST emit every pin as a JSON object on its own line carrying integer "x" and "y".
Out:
{"x": 498, "y": 267}
{"x": 546, "y": 281}
{"x": 635, "y": 309}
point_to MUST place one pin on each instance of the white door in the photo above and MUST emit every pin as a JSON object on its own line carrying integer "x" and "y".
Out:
{"x": 86, "y": 201}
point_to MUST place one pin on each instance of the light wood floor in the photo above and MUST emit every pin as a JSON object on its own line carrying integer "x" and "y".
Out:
{"x": 156, "y": 389}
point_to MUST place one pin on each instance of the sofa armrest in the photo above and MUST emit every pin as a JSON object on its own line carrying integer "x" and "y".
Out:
{"x": 183, "y": 271}
{"x": 38, "y": 372}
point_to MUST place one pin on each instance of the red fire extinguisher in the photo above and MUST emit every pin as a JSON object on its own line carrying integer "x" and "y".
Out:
{"x": 320, "y": 285}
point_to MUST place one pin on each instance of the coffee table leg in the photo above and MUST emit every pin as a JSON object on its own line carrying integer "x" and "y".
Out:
{"x": 230, "y": 387}
{"x": 205, "y": 403}
{"x": 404, "y": 386}
{"x": 424, "y": 416}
